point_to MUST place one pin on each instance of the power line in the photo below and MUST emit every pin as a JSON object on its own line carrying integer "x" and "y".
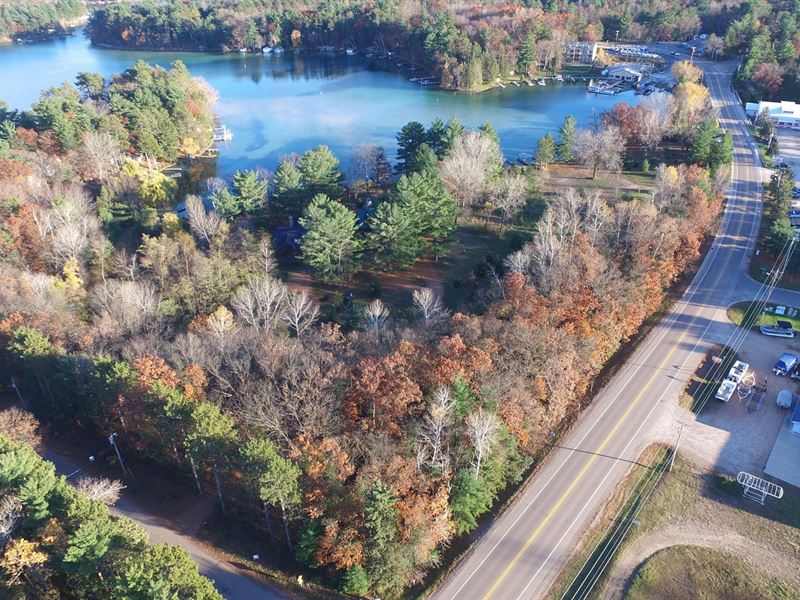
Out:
{"x": 632, "y": 508}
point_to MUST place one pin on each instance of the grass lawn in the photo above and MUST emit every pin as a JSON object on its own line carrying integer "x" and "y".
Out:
{"x": 760, "y": 266}
{"x": 686, "y": 501}
{"x": 744, "y": 310}
{"x": 695, "y": 572}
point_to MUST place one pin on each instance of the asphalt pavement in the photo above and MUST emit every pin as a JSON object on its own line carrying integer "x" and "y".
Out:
{"x": 233, "y": 583}
{"x": 522, "y": 553}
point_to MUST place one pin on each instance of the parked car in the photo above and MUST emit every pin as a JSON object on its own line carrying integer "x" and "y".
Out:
{"x": 785, "y": 364}
{"x": 796, "y": 191}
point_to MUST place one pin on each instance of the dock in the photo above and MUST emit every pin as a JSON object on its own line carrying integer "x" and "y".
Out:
{"x": 222, "y": 134}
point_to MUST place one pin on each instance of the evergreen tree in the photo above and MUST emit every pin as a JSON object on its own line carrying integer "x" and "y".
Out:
{"x": 490, "y": 131}
{"x": 703, "y": 142}
{"x": 394, "y": 237}
{"x": 435, "y": 137}
{"x": 469, "y": 499}
{"x": 545, "y": 151}
{"x": 411, "y": 136}
{"x": 527, "y": 54}
{"x": 566, "y": 139}
{"x": 330, "y": 245}
{"x": 424, "y": 158}
{"x": 722, "y": 153}
{"x": 356, "y": 581}
{"x": 225, "y": 203}
{"x": 383, "y": 170}
{"x": 430, "y": 206}
{"x": 287, "y": 189}
{"x": 209, "y": 438}
{"x": 250, "y": 190}
{"x": 453, "y": 130}
{"x": 320, "y": 173}
{"x": 276, "y": 478}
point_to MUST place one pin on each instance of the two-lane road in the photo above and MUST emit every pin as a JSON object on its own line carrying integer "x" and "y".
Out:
{"x": 525, "y": 549}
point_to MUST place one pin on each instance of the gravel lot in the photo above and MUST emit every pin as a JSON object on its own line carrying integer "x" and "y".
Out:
{"x": 727, "y": 437}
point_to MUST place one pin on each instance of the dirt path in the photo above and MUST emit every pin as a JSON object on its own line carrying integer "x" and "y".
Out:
{"x": 695, "y": 534}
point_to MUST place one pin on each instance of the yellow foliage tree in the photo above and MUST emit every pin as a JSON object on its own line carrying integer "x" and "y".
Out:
{"x": 20, "y": 556}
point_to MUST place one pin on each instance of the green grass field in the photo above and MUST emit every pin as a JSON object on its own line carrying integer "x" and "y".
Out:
{"x": 694, "y": 572}
{"x": 744, "y": 310}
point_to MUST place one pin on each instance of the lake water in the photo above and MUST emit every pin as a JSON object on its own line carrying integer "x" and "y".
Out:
{"x": 278, "y": 105}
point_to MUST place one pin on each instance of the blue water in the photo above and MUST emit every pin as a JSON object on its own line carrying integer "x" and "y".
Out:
{"x": 279, "y": 105}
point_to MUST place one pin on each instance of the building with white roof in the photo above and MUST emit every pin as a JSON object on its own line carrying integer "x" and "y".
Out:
{"x": 624, "y": 73}
{"x": 782, "y": 114}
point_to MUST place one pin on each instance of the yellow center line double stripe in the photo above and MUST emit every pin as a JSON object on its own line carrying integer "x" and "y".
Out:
{"x": 603, "y": 444}
{"x": 583, "y": 471}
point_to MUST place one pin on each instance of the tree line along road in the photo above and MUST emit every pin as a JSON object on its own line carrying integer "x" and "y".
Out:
{"x": 525, "y": 549}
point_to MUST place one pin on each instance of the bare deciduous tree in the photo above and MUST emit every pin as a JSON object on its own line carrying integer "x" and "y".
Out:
{"x": 655, "y": 119}
{"x": 469, "y": 167}
{"x": 100, "y": 155}
{"x": 301, "y": 312}
{"x": 376, "y": 317}
{"x": 68, "y": 224}
{"x": 10, "y": 515}
{"x": 267, "y": 255}
{"x": 129, "y": 303}
{"x": 364, "y": 160}
{"x": 510, "y": 195}
{"x": 434, "y": 430}
{"x": 260, "y": 302}
{"x": 429, "y": 305}
{"x": 601, "y": 149}
{"x": 124, "y": 264}
{"x": 205, "y": 225}
{"x": 482, "y": 429}
{"x": 105, "y": 490}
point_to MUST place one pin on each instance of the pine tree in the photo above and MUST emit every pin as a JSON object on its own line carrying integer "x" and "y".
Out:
{"x": 703, "y": 143}
{"x": 424, "y": 158}
{"x": 394, "y": 237}
{"x": 430, "y": 206}
{"x": 275, "y": 477}
{"x": 288, "y": 192}
{"x": 209, "y": 438}
{"x": 356, "y": 581}
{"x": 723, "y": 151}
{"x": 330, "y": 245}
{"x": 566, "y": 139}
{"x": 545, "y": 151}
{"x": 250, "y": 190}
{"x": 453, "y": 130}
{"x": 411, "y": 136}
{"x": 527, "y": 54}
{"x": 320, "y": 173}
{"x": 435, "y": 137}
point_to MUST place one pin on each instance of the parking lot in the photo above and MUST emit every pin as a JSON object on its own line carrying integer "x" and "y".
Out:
{"x": 789, "y": 148}
{"x": 732, "y": 438}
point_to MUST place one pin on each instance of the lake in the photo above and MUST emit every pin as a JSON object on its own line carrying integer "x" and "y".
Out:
{"x": 276, "y": 105}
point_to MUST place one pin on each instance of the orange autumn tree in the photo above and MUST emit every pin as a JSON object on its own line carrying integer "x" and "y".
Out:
{"x": 383, "y": 394}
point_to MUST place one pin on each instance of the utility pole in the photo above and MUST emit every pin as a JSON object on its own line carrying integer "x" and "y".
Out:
{"x": 19, "y": 394}
{"x": 677, "y": 443}
{"x": 112, "y": 440}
